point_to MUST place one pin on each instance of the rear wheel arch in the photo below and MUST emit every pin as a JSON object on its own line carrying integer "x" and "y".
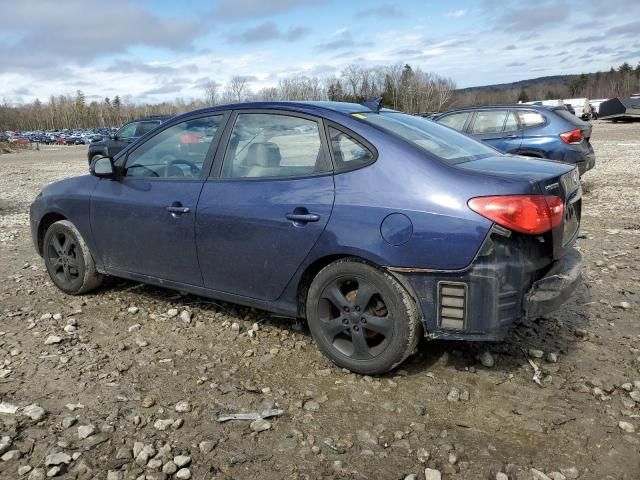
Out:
{"x": 389, "y": 329}
{"x": 530, "y": 153}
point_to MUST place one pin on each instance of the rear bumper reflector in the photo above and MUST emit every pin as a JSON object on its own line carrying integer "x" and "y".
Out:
{"x": 452, "y": 305}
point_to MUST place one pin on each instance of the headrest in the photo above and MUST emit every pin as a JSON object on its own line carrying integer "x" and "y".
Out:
{"x": 265, "y": 154}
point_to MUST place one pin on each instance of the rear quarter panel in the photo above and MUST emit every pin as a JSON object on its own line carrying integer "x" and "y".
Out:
{"x": 446, "y": 234}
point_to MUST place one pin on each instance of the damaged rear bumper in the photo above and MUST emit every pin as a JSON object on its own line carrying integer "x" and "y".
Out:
{"x": 512, "y": 278}
{"x": 554, "y": 289}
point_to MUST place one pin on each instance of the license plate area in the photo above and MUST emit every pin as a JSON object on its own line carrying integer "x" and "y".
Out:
{"x": 571, "y": 221}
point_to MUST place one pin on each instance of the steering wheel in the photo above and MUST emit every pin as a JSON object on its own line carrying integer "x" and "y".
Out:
{"x": 146, "y": 169}
{"x": 195, "y": 169}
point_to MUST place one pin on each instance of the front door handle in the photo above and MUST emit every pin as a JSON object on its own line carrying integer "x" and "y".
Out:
{"x": 303, "y": 217}
{"x": 176, "y": 208}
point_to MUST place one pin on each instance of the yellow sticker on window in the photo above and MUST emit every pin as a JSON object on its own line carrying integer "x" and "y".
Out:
{"x": 359, "y": 115}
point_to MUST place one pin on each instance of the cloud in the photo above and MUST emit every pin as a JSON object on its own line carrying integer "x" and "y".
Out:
{"x": 515, "y": 64}
{"x": 268, "y": 31}
{"x": 626, "y": 30}
{"x": 238, "y": 9}
{"x": 510, "y": 47}
{"x": 342, "y": 38}
{"x": 385, "y": 11}
{"x": 532, "y": 17}
{"x": 130, "y": 66}
{"x": 457, "y": 13}
{"x": 50, "y": 33}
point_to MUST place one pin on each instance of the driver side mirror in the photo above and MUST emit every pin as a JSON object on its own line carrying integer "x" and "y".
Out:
{"x": 103, "y": 168}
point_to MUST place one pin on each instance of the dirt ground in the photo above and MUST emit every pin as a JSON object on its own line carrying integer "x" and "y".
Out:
{"x": 134, "y": 387}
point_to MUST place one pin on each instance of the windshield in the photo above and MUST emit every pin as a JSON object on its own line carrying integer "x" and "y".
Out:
{"x": 442, "y": 142}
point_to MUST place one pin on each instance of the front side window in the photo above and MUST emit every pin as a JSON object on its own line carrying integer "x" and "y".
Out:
{"x": 489, "y": 121}
{"x": 128, "y": 131}
{"x": 176, "y": 152}
{"x": 455, "y": 120}
{"x": 272, "y": 145}
{"x": 348, "y": 152}
{"x": 448, "y": 145}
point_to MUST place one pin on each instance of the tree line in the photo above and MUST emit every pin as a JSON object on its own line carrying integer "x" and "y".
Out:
{"x": 402, "y": 87}
{"x": 617, "y": 82}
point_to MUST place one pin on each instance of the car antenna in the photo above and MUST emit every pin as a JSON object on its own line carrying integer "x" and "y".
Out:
{"x": 374, "y": 104}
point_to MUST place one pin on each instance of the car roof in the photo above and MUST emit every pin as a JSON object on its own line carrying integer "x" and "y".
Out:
{"x": 303, "y": 106}
{"x": 523, "y": 106}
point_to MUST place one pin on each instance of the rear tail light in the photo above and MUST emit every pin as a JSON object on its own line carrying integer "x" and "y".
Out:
{"x": 530, "y": 214}
{"x": 572, "y": 137}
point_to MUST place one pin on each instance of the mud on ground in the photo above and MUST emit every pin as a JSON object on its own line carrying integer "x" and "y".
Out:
{"x": 130, "y": 381}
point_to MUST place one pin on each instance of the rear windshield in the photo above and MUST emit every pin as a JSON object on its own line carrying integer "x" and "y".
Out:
{"x": 570, "y": 117}
{"x": 442, "y": 142}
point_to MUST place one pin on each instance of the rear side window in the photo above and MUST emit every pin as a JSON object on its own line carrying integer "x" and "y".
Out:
{"x": 348, "y": 152}
{"x": 530, "y": 119}
{"x": 144, "y": 127}
{"x": 270, "y": 145}
{"x": 511, "y": 125}
{"x": 489, "y": 121}
{"x": 128, "y": 131}
{"x": 455, "y": 120}
{"x": 570, "y": 117}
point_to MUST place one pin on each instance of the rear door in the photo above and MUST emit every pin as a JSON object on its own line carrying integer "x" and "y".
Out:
{"x": 268, "y": 201}
{"x": 498, "y": 128}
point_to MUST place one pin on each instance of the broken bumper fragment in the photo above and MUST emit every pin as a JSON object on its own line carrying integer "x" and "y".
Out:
{"x": 551, "y": 291}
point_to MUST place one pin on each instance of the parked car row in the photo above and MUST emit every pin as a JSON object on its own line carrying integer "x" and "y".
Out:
{"x": 82, "y": 136}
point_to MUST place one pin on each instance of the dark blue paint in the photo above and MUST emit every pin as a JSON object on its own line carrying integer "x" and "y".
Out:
{"x": 236, "y": 242}
{"x": 396, "y": 229}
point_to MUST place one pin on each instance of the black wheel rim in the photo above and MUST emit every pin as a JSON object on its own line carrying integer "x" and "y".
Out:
{"x": 354, "y": 318}
{"x": 62, "y": 256}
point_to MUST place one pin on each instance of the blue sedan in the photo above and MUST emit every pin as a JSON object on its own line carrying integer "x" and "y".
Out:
{"x": 377, "y": 227}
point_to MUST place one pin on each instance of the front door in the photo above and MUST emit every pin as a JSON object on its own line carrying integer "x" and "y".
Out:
{"x": 144, "y": 221}
{"x": 257, "y": 221}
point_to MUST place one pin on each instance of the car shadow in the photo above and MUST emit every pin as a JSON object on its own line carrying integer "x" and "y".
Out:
{"x": 556, "y": 333}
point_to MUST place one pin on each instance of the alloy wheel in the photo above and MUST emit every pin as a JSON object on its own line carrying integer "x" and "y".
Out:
{"x": 62, "y": 255}
{"x": 354, "y": 318}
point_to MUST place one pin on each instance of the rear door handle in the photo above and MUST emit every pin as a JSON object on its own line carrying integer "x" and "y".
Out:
{"x": 303, "y": 217}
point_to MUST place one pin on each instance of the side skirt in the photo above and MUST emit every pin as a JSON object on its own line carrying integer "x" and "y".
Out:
{"x": 279, "y": 307}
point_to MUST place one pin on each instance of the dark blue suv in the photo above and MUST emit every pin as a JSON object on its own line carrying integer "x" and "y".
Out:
{"x": 529, "y": 130}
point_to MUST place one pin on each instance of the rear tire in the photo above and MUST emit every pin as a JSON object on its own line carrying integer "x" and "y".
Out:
{"x": 361, "y": 317}
{"x": 68, "y": 259}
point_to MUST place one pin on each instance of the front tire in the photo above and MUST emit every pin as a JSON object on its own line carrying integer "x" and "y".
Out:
{"x": 68, "y": 259}
{"x": 362, "y": 318}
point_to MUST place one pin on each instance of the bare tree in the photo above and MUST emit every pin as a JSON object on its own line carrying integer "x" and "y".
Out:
{"x": 238, "y": 87}
{"x": 211, "y": 89}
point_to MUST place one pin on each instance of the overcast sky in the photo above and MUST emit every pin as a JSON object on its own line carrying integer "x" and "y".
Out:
{"x": 158, "y": 50}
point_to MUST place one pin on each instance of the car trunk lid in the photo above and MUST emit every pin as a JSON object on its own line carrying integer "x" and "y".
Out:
{"x": 545, "y": 178}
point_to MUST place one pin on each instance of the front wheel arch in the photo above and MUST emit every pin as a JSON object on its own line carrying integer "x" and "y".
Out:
{"x": 45, "y": 222}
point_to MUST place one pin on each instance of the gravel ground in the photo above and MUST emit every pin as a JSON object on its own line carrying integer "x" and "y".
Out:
{"x": 130, "y": 382}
